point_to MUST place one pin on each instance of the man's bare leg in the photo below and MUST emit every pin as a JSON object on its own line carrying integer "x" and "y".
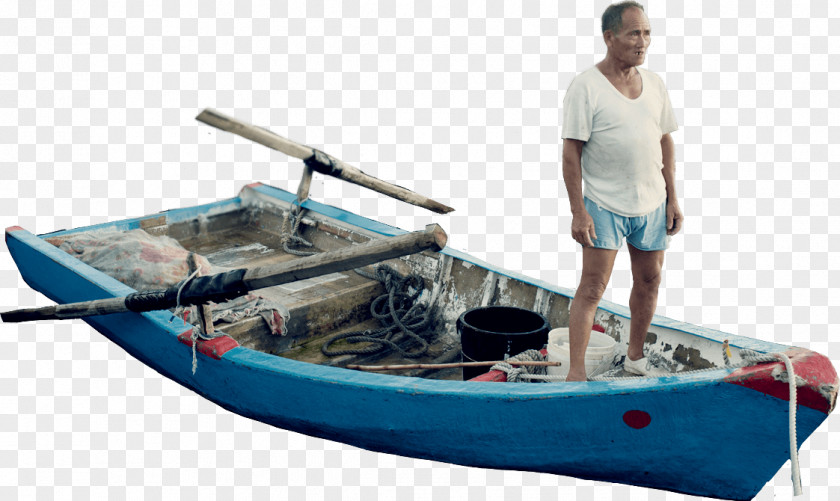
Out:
{"x": 597, "y": 268}
{"x": 647, "y": 272}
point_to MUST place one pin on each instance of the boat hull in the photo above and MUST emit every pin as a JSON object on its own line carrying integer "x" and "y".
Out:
{"x": 698, "y": 434}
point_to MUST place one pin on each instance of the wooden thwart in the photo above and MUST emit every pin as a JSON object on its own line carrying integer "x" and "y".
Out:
{"x": 324, "y": 163}
{"x": 348, "y": 258}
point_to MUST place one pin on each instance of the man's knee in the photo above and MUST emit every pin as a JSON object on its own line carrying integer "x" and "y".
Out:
{"x": 650, "y": 280}
{"x": 648, "y": 283}
{"x": 591, "y": 290}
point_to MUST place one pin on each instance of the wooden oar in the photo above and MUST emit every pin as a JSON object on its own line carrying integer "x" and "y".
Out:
{"x": 453, "y": 365}
{"x": 318, "y": 160}
{"x": 232, "y": 284}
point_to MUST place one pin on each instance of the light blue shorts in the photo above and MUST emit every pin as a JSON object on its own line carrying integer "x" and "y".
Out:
{"x": 646, "y": 233}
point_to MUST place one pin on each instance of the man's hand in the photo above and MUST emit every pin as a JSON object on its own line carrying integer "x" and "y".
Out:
{"x": 675, "y": 217}
{"x": 583, "y": 229}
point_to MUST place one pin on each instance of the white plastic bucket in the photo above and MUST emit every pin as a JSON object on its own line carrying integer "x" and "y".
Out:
{"x": 599, "y": 352}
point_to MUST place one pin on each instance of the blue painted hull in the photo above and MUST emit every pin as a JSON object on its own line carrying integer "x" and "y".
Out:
{"x": 706, "y": 436}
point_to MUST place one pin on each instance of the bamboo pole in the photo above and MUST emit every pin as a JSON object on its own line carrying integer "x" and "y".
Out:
{"x": 318, "y": 160}
{"x": 232, "y": 284}
{"x": 454, "y": 365}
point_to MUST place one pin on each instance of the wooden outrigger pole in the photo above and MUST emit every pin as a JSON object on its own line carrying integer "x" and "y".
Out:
{"x": 232, "y": 284}
{"x": 228, "y": 285}
{"x": 318, "y": 161}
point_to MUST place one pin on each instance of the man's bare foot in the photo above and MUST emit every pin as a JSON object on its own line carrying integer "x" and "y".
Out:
{"x": 576, "y": 376}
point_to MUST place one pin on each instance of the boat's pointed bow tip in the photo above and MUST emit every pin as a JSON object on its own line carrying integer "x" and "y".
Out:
{"x": 11, "y": 230}
{"x": 820, "y": 381}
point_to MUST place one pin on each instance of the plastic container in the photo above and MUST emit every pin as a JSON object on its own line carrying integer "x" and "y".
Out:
{"x": 599, "y": 352}
{"x": 497, "y": 333}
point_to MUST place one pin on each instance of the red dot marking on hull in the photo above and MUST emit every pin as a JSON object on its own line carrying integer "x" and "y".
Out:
{"x": 636, "y": 419}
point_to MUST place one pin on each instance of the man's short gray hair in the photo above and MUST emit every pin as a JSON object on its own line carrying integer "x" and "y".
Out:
{"x": 611, "y": 19}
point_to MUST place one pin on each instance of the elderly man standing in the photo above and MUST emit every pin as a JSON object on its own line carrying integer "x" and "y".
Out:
{"x": 617, "y": 120}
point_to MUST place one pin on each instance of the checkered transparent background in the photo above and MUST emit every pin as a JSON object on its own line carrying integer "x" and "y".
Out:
{"x": 462, "y": 103}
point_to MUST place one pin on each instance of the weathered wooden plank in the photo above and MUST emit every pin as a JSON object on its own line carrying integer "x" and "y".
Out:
{"x": 348, "y": 258}
{"x": 321, "y": 162}
{"x": 305, "y": 183}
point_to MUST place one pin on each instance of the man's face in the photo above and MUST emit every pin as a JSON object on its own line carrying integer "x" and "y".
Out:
{"x": 630, "y": 44}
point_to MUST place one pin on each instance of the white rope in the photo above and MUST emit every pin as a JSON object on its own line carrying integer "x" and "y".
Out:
{"x": 795, "y": 475}
{"x": 794, "y": 452}
{"x": 178, "y": 308}
{"x": 194, "y": 339}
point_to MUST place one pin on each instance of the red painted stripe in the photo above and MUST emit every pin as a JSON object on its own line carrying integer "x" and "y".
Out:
{"x": 213, "y": 348}
{"x": 492, "y": 377}
{"x": 819, "y": 392}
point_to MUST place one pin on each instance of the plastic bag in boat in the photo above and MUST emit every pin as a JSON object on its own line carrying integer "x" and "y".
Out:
{"x": 148, "y": 262}
{"x": 135, "y": 258}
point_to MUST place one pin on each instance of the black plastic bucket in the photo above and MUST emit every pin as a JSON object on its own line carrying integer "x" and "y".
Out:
{"x": 498, "y": 332}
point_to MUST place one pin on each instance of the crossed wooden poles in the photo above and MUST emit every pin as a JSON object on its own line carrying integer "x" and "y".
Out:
{"x": 232, "y": 284}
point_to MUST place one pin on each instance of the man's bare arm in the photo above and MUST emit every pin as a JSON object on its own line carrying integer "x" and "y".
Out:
{"x": 572, "y": 152}
{"x": 583, "y": 229}
{"x": 669, "y": 172}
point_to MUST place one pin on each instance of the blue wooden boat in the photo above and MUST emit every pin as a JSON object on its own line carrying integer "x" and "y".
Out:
{"x": 720, "y": 432}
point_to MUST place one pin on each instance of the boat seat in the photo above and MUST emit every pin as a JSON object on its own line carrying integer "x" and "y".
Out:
{"x": 318, "y": 306}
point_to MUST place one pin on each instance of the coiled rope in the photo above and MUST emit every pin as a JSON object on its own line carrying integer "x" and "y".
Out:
{"x": 399, "y": 312}
{"x": 521, "y": 373}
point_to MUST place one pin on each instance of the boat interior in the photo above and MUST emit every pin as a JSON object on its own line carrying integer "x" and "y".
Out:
{"x": 252, "y": 233}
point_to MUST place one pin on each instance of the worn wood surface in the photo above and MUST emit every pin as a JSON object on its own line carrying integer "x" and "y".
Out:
{"x": 305, "y": 183}
{"x": 204, "y": 310}
{"x": 343, "y": 170}
{"x": 67, "y": 311}
{"x": 348, "y": 258}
